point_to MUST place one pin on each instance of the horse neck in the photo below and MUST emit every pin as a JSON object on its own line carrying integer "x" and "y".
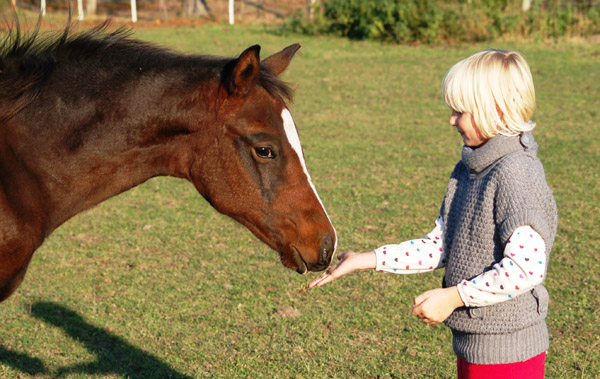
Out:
{"x": 106, "y": 148}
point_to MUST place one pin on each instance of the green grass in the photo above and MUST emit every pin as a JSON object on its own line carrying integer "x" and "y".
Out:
{"x": 155, "y": 283}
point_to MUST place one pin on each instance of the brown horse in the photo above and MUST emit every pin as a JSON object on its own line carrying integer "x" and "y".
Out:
{"x": 85, "y": 117}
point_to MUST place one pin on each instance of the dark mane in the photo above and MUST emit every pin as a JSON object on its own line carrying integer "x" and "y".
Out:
{"x": 27, "y": 61}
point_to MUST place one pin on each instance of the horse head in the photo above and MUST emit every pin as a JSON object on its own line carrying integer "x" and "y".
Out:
{"x": 261, "y": 178}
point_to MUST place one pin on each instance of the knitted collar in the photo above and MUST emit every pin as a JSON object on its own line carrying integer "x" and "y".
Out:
{"x": 478, "y": 159}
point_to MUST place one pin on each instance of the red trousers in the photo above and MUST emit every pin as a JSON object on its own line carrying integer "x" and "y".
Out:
{"x": 530, "y": 369}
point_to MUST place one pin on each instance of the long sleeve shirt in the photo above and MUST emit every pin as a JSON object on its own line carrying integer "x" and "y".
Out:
{"x": 522, "y": 268}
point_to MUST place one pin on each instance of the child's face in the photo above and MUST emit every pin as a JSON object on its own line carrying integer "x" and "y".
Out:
{"x": 465, "y": 125}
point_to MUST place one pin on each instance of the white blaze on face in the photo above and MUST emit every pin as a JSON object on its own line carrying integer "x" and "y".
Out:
{"x": 292, "y": 135}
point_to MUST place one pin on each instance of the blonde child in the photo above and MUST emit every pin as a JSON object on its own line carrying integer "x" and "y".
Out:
{"x": 495, "y": 231}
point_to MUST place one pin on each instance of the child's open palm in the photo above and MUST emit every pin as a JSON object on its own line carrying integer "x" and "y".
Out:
{"x": 349, "y": 262}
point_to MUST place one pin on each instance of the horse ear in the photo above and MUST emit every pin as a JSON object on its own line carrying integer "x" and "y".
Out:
{"x": 277, "y": 63}
{"x": 245, "y": 72}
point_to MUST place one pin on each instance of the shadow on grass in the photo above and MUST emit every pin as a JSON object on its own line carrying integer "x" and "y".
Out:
{"x": 114, "y": 355}
{"x": 21, "y": 362}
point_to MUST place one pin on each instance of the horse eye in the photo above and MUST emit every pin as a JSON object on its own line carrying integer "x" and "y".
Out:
{"x": 264, "y": 152}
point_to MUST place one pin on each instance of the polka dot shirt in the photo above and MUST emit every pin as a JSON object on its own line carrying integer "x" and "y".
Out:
{"x": 522, "y": 268}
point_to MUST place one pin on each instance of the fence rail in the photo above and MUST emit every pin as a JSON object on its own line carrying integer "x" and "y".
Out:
{"x": 244, "y": 10}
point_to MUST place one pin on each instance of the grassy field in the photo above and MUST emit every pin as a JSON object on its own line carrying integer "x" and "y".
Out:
{"x": 154, "y": 283}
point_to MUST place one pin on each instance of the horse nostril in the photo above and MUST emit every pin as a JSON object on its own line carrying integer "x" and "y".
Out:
{"x": 325, "y": 254}
{"x": 326, "y": 250}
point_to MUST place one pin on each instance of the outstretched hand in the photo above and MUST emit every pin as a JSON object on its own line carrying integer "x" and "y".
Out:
{"x": 349, "y": 262}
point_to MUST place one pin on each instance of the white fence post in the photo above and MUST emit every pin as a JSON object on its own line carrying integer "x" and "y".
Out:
{"x": 133, "y": 11}
{"x": 231, "y": 21}
{"x": 80, "y": 9}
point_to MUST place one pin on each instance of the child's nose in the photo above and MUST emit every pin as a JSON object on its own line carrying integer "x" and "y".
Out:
{"x": 452, "y": 120}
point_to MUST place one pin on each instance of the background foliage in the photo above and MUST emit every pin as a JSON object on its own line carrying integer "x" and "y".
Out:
{"x": 4, "y": 5}
{"x": 154, "y": 283}
{"x": 434, "y": 21}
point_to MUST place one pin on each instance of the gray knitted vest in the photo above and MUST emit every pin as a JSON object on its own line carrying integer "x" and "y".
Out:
{"x": 493, "y": 190}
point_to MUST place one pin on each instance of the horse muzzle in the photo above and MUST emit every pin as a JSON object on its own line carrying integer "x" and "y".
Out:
{"x": 303, "y": 263}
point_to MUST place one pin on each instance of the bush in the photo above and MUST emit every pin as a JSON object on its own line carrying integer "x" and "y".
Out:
{"x": 431, "y": 21}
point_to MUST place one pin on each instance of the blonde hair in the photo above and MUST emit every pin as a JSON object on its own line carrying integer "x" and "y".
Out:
{"x": 496, "y": 87}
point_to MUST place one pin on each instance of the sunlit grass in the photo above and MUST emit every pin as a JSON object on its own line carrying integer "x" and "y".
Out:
{"x": 156, "y": 279}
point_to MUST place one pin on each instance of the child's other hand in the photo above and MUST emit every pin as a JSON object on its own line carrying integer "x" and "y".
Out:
{"x": 436, "y": 305}
{"x": 349, "y": 262}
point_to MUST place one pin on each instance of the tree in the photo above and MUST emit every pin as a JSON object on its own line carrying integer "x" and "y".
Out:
{"x": 196, "y": 8}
